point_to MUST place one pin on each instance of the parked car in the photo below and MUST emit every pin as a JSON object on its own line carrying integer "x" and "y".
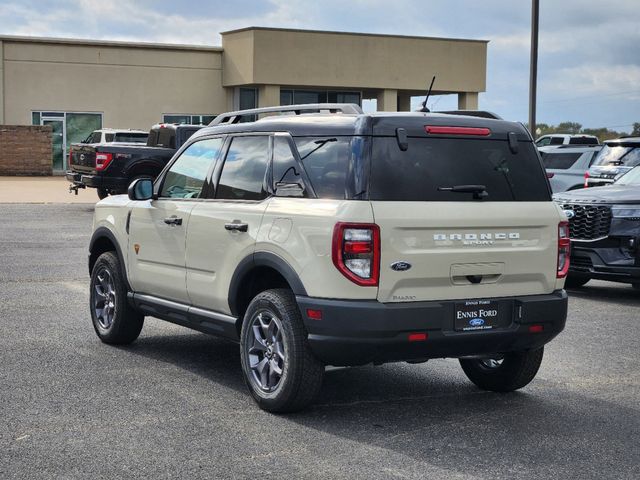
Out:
{"x": 604, "y": 225}
{"x": 615, "y": 159}
{"x": 346, "y": 239}
{"x": 567, "y": 164}
{"x": 110, "y": 167}
{"x": 115, "y": 135}
{"x": 554, "y": 140}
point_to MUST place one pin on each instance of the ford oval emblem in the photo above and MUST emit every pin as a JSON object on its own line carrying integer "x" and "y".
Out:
{"x": 400, "y": 266}
{"x": 570, "y": 214}
{"x": 476, "y": 322}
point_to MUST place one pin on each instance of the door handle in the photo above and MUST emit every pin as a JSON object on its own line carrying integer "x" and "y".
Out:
{"x": 236, "y": 226}
{"x": 173, "y": 220}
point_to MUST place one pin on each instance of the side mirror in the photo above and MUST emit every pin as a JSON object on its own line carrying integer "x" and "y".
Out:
{"x": 285, "y": 189}
{"x": 141, "y": 189}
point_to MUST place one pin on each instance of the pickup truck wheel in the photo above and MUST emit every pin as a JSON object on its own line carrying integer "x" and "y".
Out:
{"x": 279, "y": 369}
{"x": 506, "y": 373}
{"x": 576, "y": 280}
{"x": 114, "y": 320}
{"x": 102, "y": 193}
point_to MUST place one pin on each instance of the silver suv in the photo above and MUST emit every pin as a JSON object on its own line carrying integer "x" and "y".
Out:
{"x": 333, "y": 237}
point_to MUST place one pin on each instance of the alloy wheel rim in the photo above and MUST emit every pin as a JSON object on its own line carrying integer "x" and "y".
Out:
{"x": 104, "y": 300}
{"x": 266, "y": 352}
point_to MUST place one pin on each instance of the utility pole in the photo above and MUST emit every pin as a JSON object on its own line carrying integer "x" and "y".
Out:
{"x": 533, "y": 68}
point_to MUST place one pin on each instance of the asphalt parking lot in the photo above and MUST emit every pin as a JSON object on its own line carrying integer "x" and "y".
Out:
{"x": 173, "y": 405}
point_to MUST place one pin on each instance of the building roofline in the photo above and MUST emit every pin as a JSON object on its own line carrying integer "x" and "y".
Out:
{"x": 363, "y": 34}
{"x": 108, "y": 43}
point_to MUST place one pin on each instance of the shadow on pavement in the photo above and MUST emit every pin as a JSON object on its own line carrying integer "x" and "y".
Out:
{"x": 430, "y": 414}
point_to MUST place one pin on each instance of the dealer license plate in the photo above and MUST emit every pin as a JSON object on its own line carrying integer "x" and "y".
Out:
{"x": 481, "y": 315}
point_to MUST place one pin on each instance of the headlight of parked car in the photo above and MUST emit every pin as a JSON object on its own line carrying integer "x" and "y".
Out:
{"x": 629, "y": 212}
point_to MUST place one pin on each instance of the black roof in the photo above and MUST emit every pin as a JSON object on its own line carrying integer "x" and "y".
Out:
{"x": 378, "y": 124}
{"x": 624, "y": 141}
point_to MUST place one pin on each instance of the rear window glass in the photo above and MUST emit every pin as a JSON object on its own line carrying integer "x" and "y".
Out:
{"x": 131, "y": 137}
{"x": 618, "y": 155}
{"x": 429, "y": 164}
{"x": 583, "y": 141}
{"x": 559, "y": 161}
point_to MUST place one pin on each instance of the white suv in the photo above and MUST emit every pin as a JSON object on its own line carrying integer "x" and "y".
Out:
{"x": 342, "y": 238}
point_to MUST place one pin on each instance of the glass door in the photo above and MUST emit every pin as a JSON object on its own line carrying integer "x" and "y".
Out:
{"x": 58, "y": 140}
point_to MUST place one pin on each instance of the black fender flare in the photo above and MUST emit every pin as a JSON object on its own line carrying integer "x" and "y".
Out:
{"x": 104, "y": 232}
{"x": 144, "y": 163}
{"x": 262, "y": 259}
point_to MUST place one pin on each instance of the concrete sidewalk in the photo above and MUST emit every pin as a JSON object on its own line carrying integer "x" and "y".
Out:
{"x": 42, "y": 190}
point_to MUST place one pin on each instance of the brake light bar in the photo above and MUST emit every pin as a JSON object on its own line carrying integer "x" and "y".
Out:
{"x": 103, "y": 160}
{"x": 356, "y": 252}
{"x": 441, "y": 130}
{"x": 564, "y": 249}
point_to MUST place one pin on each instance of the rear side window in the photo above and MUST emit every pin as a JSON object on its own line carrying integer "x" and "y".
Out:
{"x": 559, "y": 161}
{"x": 285, "y": 166}
{"x": 556, "y": 141}
{"x": 244, "y": 169}
{"x": 326, "y": 161}
{"x": 431, "y": 163}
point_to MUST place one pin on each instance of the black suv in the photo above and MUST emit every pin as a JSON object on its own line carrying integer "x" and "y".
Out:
{"x": 604, "y": 227}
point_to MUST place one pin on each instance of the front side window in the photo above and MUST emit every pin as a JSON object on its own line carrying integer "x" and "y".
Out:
{"x": 187, "y": 175}
{"x": 544, "y": 141}
{"x": 244, "y": 169}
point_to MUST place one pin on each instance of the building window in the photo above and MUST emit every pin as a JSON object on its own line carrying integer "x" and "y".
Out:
{"x": 248, "y": 98}
{"x": 187, "y": 118}
{"x": 301, "y": 97}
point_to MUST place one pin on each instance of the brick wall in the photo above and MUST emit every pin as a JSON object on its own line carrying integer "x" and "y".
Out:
{"x": 25, "y": 150}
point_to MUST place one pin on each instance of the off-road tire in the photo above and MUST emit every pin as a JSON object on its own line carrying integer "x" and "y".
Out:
{"x": 576, "y": 280}
{"x": 302, "y": 373}
{"x": 515, "y": 371}
{"x": 102, "y": 193}
{"x": 125, "y": 322}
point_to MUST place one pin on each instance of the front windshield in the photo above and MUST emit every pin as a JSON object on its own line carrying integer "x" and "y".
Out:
{"x": 612, "y": 154}
{"x": 631, "y": 178}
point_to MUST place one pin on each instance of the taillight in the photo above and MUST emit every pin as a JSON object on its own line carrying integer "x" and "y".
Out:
{"x": 356, "y": 252}
{"x": 103, "y": 160}
{"x": 564, "y": 249}
{"x": 442, "y": 130}
{"x": 70, "y": 156}
{"x": 586, "y": 179}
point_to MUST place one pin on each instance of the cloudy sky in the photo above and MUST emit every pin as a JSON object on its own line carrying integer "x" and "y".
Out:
{"x": 589, "y": 65}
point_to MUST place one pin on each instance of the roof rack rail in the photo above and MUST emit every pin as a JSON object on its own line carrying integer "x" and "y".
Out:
{"x": 473, "y": 113}
{"x": 235, "y": 117}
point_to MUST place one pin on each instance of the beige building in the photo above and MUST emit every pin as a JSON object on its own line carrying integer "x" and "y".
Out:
{"x": 79, "y": 85}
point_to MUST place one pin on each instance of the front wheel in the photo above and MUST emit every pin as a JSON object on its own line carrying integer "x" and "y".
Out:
{"x": 114, "y": 320}
{"x": 279, "y": 368}
{"x": 505, "y": 373}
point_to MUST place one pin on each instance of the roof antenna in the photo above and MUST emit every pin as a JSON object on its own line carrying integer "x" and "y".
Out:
{"x": 424, "y": 108}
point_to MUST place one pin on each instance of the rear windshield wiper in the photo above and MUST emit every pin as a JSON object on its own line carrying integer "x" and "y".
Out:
{"x": 479, "y": 191}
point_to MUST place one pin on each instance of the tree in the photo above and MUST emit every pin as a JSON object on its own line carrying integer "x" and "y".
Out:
{"x": 636, "y": 129}
{"x": 569, "y": 127}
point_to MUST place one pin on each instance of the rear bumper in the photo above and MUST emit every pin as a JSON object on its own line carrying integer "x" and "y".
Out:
{"x": 359, "y": 332}
{"x": 119, "y": 184}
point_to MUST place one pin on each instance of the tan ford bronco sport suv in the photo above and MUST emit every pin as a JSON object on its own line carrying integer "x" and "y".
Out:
{"x": 342, "y": 238}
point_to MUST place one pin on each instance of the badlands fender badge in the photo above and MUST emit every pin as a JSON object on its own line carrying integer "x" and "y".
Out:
{"x": 400, "y": 266}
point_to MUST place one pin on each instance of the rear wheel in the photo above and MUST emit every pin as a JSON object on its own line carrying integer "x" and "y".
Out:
{"x": 576, "y": 280}
{"x": 278, "y": 366}
{"x": 114, "y": 320}
{"x": 102, "y": 193}
{"x": 504, "y": 373}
